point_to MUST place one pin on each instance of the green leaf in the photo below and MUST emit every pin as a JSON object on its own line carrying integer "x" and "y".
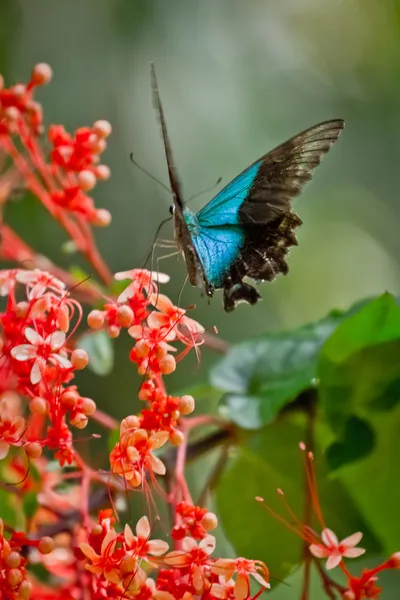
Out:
{"x": 9, "y": 509}
{"x": 100, "y": 350}
{"x": 30, "y": 505}
{"x": 269, "y": 459}
{"x": 262, "y": 375}
{"x": 113, "y": 438}
{"x": 374, "y": 483}
{"x": 359, "y": 364}
{"x": 358, "y": 440}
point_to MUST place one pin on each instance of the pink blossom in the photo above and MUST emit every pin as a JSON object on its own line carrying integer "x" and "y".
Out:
{"x": 334, "y": 550}
{"x": 42, "y": 350}
{"x": 141, "y": 278}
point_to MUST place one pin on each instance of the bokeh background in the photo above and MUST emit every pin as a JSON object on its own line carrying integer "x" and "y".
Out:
{"x": 236, "y": 78}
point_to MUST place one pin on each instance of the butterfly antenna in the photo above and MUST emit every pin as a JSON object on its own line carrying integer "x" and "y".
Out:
{"x": 208, "y": 189}
{"x": 149, "y": 174}
{"x": 173, "y": 178}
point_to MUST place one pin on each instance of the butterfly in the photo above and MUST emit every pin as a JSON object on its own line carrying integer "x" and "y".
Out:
{"x": 246, "y": 230}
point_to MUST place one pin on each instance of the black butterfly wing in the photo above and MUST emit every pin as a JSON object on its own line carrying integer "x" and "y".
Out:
{"x": 285, "y": 170}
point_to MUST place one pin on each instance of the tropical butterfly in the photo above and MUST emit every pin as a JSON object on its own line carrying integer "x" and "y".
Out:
{"x": 246, "y": 230}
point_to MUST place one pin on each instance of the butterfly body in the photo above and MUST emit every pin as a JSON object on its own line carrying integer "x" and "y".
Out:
{"x": 247, "y": 229}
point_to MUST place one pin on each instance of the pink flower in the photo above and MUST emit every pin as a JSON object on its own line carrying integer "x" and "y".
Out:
{"x": 42, "y": 350}
{"x": 39, "y": 282}
{"x": 11, "y": 427}
{"x": 7, "y": 281}
{"x": 141, "y": 279}
{"x": 140, "y": 542}
{"x": 334, "y": 550}
{"x": 243, "y": 568}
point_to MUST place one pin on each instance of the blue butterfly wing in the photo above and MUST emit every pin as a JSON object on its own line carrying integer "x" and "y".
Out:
{"x": 217, "y": 249}
{"x": 224, "y": 207}
{"x": 248, "y": 227}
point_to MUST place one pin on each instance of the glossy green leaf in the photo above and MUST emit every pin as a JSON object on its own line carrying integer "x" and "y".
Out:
{"x": 358, "y": 440}
{"x": 374, "y": 483}
{"x": 359, "y": 367}
{"x": 100, "y": 350}
{"x": 263, "y": 375}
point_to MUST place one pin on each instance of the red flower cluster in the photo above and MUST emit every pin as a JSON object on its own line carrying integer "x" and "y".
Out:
{"x": 154, "y": 322}
{"x": 38, "y": 363}
{"x": 14, "y": 582}
{"x": 120, "y": 562}
{"x": 61, "y": 179}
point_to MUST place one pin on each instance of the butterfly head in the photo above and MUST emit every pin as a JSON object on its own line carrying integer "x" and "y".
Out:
{"x": 172, "y": 209}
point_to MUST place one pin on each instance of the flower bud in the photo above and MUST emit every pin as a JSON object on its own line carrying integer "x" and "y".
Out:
{"x": 97, "y": 530}
{"x": 33, "y": 449}
{"x": 87, "y": 180}
{"x": 69, "y": 399}
{"x": 95, "y": 319}
{"x": 88, "y": 406}
{"x": 13, "y": 560}
{"x": 41, "y": 74}
{"x": 113, "y": 331}
{"x": 167, "y": 364}
{"x": 25, "y": 590}
{"x": 79, "y": 359}
{"x": 46, "y": 545}
{"x": 102, "y": 128}
{"x": 176, "y": 437}
{"x": 14, "y": 577}
{"x": 103, "y": 172}
{"x": 38, "y": 406}
{"x": 209, "y": 521}
{"x": 125, "y": 315}
{"x": 102, "y": 217}
{"x": 186, "y": 405}
{"x": 79, "y": 421}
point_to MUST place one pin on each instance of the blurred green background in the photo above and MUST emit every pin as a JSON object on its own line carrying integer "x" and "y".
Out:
{"x": 236, "y": 78}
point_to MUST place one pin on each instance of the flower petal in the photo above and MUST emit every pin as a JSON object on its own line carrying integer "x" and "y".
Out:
{"x": 352, "y": 540}
{"x": 61, "y": 360}
{"x": 33, "y": 337}
{"x": 109, "y": 542}
{"x": 319, "y": 551}
{"x": 89, "y": 552}
{"x": 143, "y": 528}
{"x": 130, "y": 539}
{"x": 24, "y": 352}
{"x": 333, "y": 561}
{"x": 329, "y": 538}
{"x": 188, "y": 544}
{"x": 126, "y": 294}
{"x": 207, "y": 544}
{"x": 242, "y": 587}
{"x": 353, "y": 552}
{"x": 258, "y": 577}
{"x": 56, "y": 340}
{"x": 177, "y": 558}
{"x": 158, "y": 439}
{"x": 4, "y": 448}
{"x": 157, "y": 547}
{"x": 156, "y": 465}
{"x": 37, "y": 370}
